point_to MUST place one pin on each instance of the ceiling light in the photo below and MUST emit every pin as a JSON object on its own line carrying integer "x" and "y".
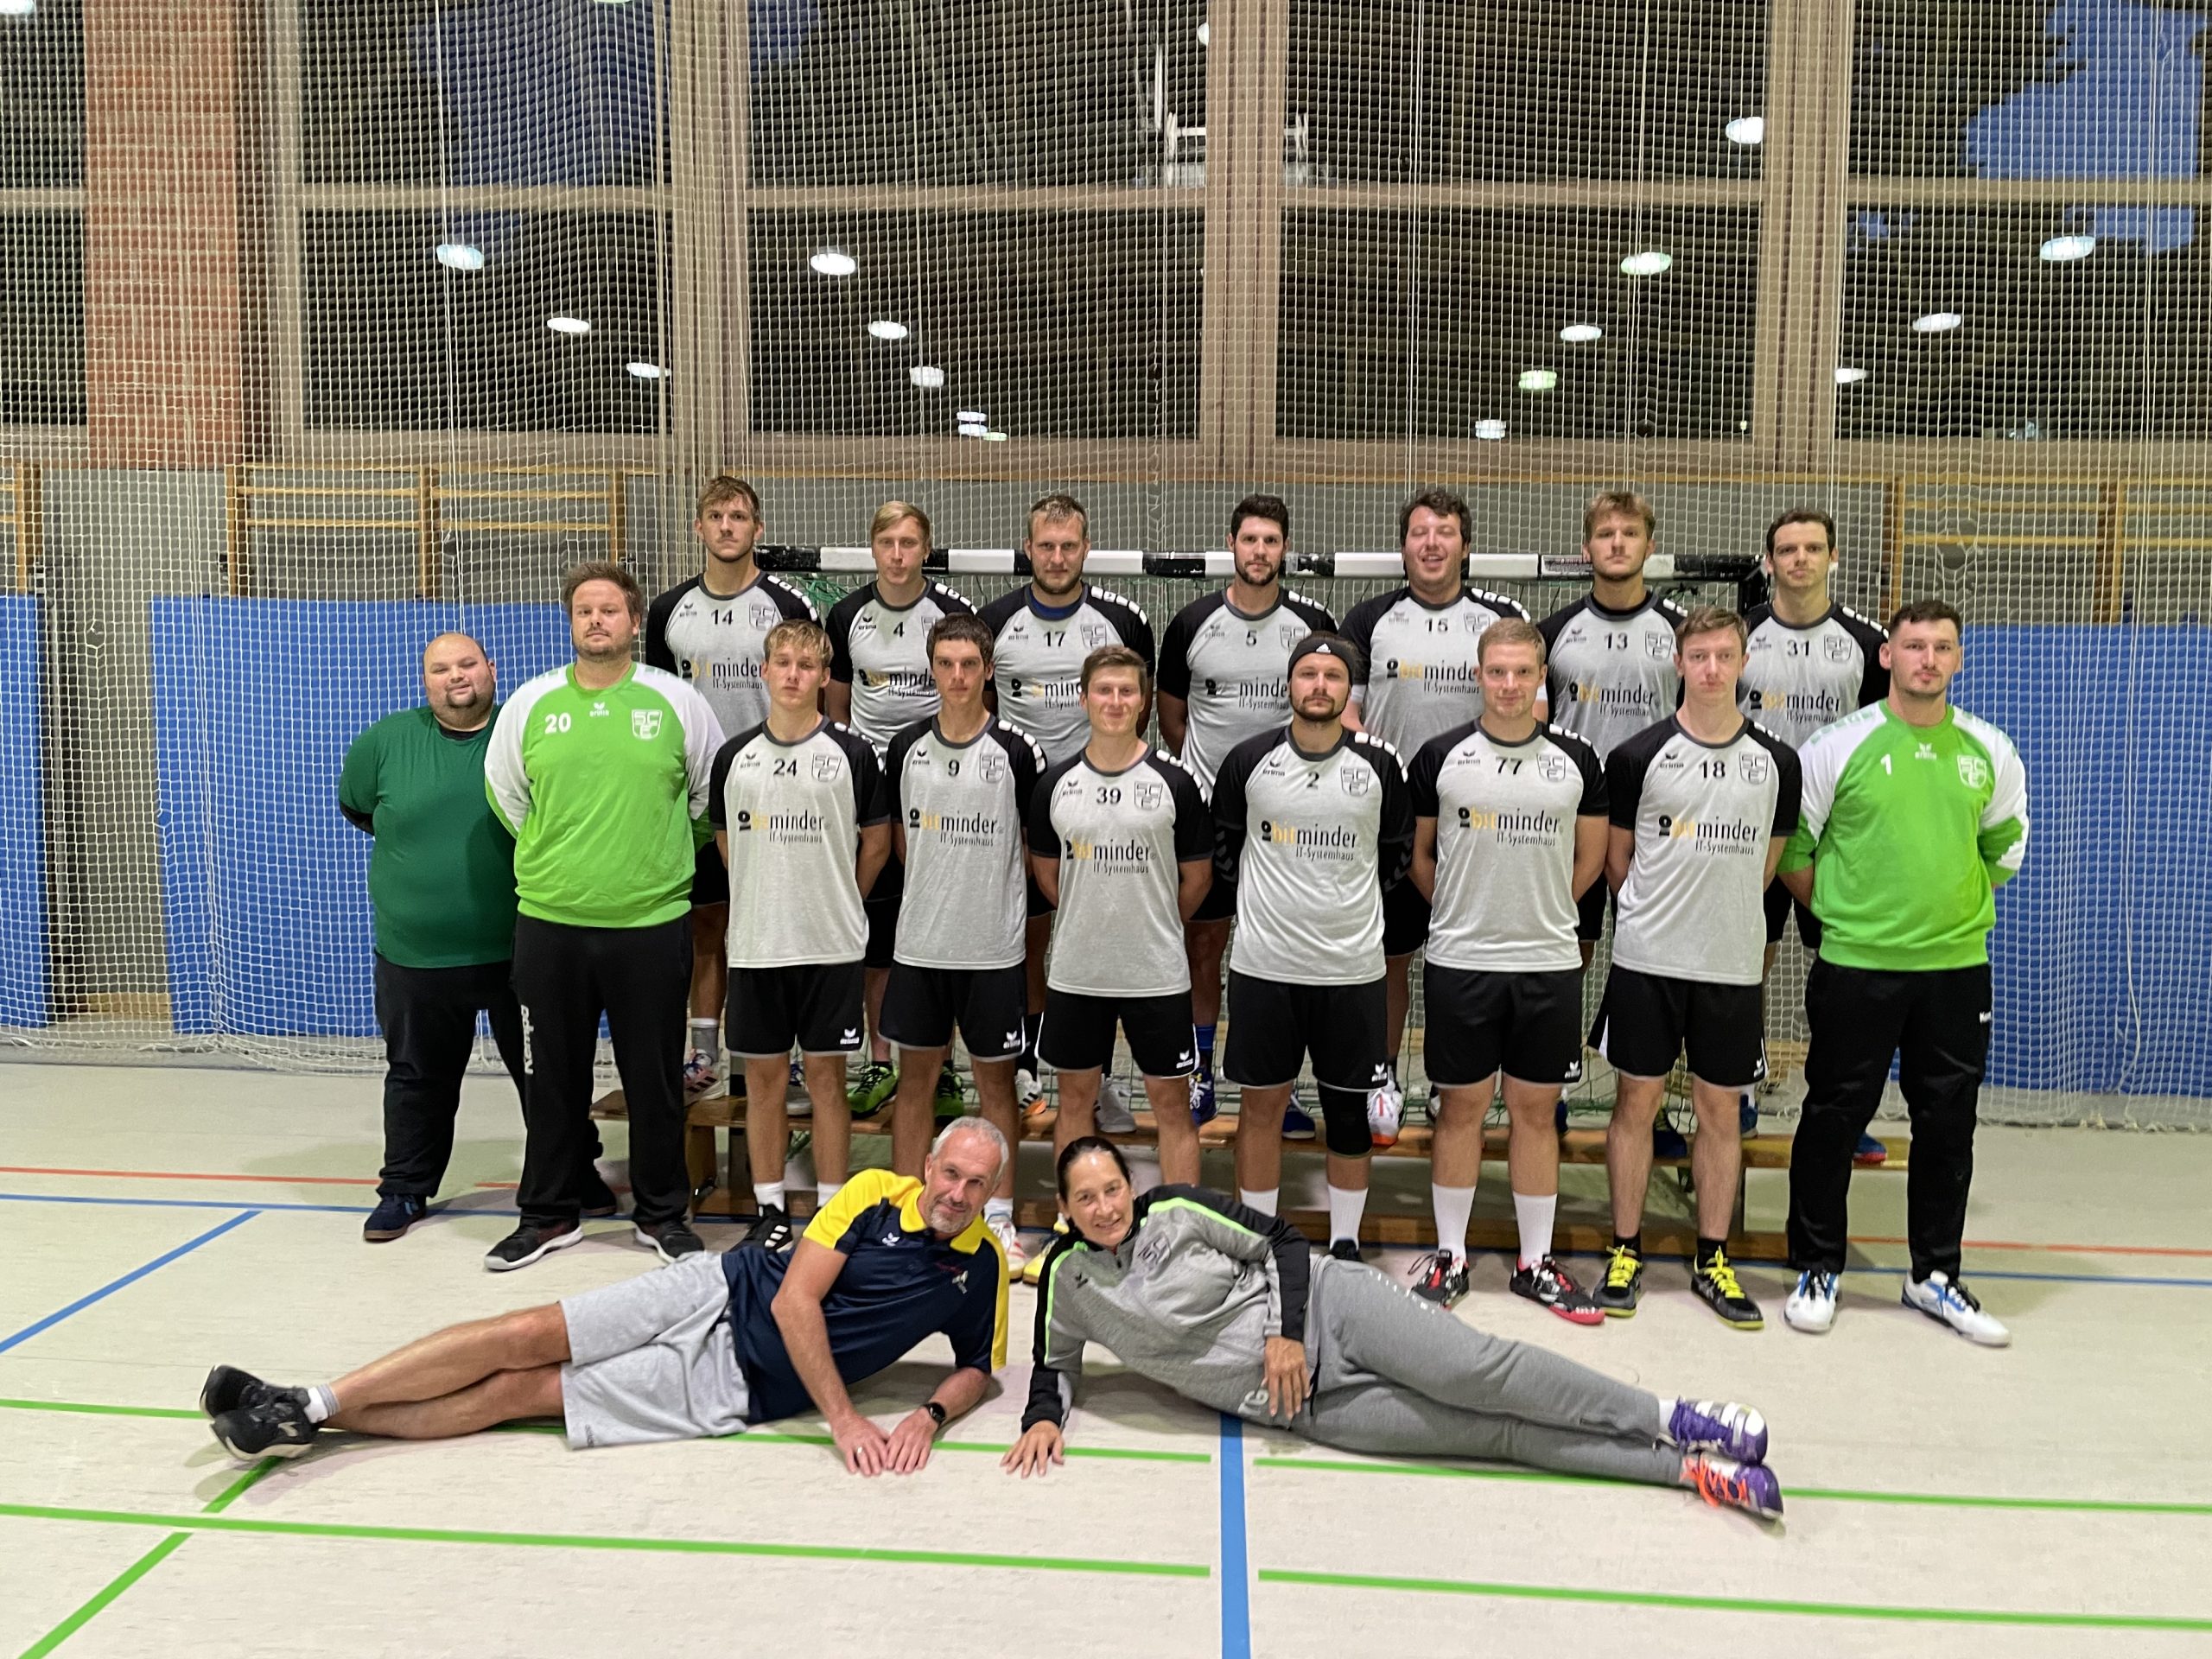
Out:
{"x": 1489, "y": 431}
{"x": 1851, "y": 377}
{"x": 1746, "y": 129}
{"x": 973, "y": 417}
{"x": 1649, "y": 263}
{"x": 460, "y": 256}
{"x": 1539, "y": 379}
{"x": 833, "y": 262}
{"x": 1581, "y": 334}
{"x": 927, "y": 376}
{"x": 996, "y": 436}
{"x": 2062, "y": 249}
{"x": 884, "y": 329}
{"x": 647, "y": 371}
{"x": 568, "y": 325}
{"x": 1937, "y": 322}
{"x": 974, "y": 430}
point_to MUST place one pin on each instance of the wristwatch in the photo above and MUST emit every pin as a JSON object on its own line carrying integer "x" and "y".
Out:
{"x": 937, "y": 1412}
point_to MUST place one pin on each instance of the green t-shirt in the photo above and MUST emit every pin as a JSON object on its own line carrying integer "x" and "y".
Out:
{"x": 1908, "y": 831}
{"x": 442, "y": 876}
{"x": 607, "y": 794}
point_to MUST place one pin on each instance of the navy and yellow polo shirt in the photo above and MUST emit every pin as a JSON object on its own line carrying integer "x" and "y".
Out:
{"x": 899, "y": 1284}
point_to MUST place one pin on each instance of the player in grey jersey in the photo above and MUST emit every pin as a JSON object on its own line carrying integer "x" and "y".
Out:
{"x": 710, "y": 630}
{"x": 1311, "y": 825}
{"x": 1041, "y": 634}
{"x": 1120, "y": 837}
{"x": 1511, "y": 830}
{"x": 798, "y": 811}
{"x": 1702, "y": 804}
{"x": 960, "y": 787}
{"x": 1224, "y": 676}
{"x": 1420, "y": 644}
{"x": 1611, "y": 653}
{"x": 880, "y": 684}
{"x": 1809, "y": 662}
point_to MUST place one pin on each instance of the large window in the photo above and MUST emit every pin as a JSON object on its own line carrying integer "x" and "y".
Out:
{"x": 43, "y": 215}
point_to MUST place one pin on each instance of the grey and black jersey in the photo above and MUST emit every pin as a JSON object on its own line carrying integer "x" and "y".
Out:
{"x": 1796, "y": 680}
{"x": 882, "y": 651}
{"x": 1232, "y": 670}
{"x": 1611, "y": 673}
{"x": 964, "y": 808}
{"x": 793, "y": 813}
{"x": 1120, "y": 838}
{"x": 1424, "y": 676}
{"x": 1505, "y": 824}
{"x": 716, "y": 643}
{"x": 1312, "y": 840}
{"x": 1694, "y": 904}
{"x": 1037, "y": 659}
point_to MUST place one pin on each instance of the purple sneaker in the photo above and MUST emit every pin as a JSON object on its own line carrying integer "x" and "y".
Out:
{"x": 1733, "y": 1431}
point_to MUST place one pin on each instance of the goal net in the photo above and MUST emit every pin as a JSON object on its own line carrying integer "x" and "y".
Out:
{"x": 332, "y": 325}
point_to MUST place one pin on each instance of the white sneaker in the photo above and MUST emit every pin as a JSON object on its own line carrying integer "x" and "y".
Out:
{"x": 1028, "y": 1091}
{"x": 699, "y": 1073}
{"x": 1811, "y": 1307}
{"x": 1385, "y": 1107}
{"x": 1949, "y": 1303}
{"x": 1010, "y": 1238}
{"x": 1114, "y": 1115}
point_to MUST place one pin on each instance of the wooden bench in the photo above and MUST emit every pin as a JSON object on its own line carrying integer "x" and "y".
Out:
{"x": 721, "y": 1186}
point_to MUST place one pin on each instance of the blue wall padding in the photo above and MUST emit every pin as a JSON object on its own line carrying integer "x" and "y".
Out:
{"x": 264, "y": 887}
{"x": 26, "y": 987}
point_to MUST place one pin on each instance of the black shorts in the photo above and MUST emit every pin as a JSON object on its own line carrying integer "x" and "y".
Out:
{"x": 1779, "y": 903}
{"x": 1274, "y": 1027}
{"x": 1220, "y": 903}
{"x": 1590, "y": 912}
{"x": 1527, "y": 1026}
{"x": 1647, "y": 1020}
{"x": 816, "y": 1006}
{"x": 921, "y": 1006}
{"x": 1405, "y": 919}
{"x": 1079, "y": 1033}
{"x": 1038, "y": 904}
{"x": 709, "y": 877}
{"x": 882, "y": 907}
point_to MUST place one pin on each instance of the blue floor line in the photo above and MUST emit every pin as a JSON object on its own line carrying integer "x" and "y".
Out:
{"x": 1236, "y": 1567}
{"x": 130, "y": 1278}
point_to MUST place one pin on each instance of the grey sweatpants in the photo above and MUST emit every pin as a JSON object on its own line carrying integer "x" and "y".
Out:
{"x": 1398, "y": 1376}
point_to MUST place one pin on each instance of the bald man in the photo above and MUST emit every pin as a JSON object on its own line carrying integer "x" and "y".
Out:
{"x": 442, "y": 882}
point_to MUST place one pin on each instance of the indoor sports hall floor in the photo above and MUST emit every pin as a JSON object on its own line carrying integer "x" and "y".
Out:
{"x": 2055, "y": 1497}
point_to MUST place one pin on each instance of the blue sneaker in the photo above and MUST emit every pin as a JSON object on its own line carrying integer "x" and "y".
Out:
{"x": 1747, "y": 1113}
{"x": 1667, "y": 1141}
{"x": 1733, "y": 1431}
{"x": 1298, "y": 1123}
{"x": 1727, "y": 1484}
{"x": 1870, "y": 1151}
{"x": 1559, "y": 1116}
{"x": 392, "y": 1218}
{"x": 1203, "y": 1110}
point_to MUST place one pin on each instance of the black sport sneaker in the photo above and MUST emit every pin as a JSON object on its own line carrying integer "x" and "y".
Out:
{"x": 595, "y": 1197}
{"x": 1548, "y": 1285}
{"x": 227, "y": 1388}
{"x": 528, "y": 1242}
{"x": 1344, "y": 1249}
{"x": 773, "y": 1231}
{"x": 1716, "y": 1287}
{"x": 674, "y": 1239}
{"x": 1440, "y": 1277}
{"x": 1623, "y": 1286}
{"x": 277, "y": 1427}
{"x": 392, "y": 1218}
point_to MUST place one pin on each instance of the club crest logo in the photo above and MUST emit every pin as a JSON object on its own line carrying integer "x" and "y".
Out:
{"x": 825, "y": 768}
{"x": 1974, "y": 772}
{"x": 990, "y": 765}
{"x": 1356, "y": 780}
{"x": 1289, "y": 634}
{"x": 1659, "y": 647}
{"x": 644, "y": 722}
{"x": 1554, "y": 768}
{"x": 1838, "y": 647}
{"x": 1150, "y": 795}
{"x": 1096, "y": 634}
{"x": 1755, "y": 768}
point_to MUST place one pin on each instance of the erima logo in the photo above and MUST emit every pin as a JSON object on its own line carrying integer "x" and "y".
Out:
{"x": 891, "y": 1238}
{"x": 852, "y": 1034}
{"x": 644, "y": 722}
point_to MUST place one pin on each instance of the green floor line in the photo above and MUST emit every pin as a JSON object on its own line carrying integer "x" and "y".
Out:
{"x": 1736, "y": 1604}
{"x": 107, "y": 1594}
{"x": 758, "y": 1437}
{"x": 221, "y": 1524}
{"x": 1819, "y": 1494}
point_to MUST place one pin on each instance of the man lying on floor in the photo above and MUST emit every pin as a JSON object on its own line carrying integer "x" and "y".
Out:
{"x": 708, "y": 1345}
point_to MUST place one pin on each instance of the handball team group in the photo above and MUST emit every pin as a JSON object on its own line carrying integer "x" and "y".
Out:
{"x": 852, "y": 839}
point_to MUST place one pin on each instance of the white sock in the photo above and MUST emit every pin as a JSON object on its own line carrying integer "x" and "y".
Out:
{"x": 769, "y": 1195}
{"x": 323, "y": 1404}
{"x": 1534, "y": 1216}
{"x": 1666, "y": 1418}
{"x": 823, "y": 1192}
{"x": 1454, "y": 1207}
{"x": 1260, "y": 1199}
{"x": 998, "y": 1209}
{"x": 1346, "y": 1208}
{"x": 706, "y": 1035}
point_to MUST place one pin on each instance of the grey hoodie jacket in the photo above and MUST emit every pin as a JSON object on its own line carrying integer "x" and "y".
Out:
{"x": 1188, "y": 1300}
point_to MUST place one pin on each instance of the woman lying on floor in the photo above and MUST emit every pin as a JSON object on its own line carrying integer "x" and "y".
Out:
{"x": 1227, "y": 1307}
